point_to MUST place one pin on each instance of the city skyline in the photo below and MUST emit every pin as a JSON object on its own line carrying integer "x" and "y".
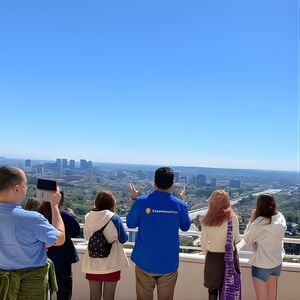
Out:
{"x": 173, "y": 83}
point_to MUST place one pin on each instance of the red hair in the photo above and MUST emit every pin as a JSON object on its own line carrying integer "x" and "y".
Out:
{"x": 219, "y": 209}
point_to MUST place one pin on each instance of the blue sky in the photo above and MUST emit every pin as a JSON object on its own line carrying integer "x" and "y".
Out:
{"x": 194, "y": 83}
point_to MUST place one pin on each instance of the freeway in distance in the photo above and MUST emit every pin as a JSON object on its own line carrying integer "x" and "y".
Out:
{"x": 201, "y": 212}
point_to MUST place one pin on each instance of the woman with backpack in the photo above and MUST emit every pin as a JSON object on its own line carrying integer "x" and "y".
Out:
{"x": 105, "y": 256}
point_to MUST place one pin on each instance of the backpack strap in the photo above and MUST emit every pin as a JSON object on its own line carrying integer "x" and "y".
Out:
{"x": 104, "y": 225}
{"x": 102, "y": 228}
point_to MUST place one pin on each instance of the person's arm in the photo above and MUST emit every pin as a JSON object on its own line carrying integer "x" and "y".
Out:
{"x": 132, "y": 218}
{"x": 185, "y": 221}
{"x": 203, "y": 239}
{"x": 236, "y": 234}
{"x": 57, "y": 221}
{"x": 251, "y": 233}
{"x": 122, "y": 234}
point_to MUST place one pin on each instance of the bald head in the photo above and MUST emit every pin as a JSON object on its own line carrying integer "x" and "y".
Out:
{"x": 9, "y": 177}
{"x": 13, "y": 184}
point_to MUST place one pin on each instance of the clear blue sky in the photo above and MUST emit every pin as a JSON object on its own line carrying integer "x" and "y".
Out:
{"x": 196, "y": 83}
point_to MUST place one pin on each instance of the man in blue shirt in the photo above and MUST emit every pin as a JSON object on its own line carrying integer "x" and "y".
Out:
{"x": 24, "y": 235}
{"x": 158, "y": 216}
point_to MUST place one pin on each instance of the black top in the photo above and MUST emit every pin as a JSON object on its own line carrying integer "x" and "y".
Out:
{"x": 66, "y": 254}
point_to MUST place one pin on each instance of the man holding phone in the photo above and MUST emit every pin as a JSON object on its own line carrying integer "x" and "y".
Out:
{"x": 24, "y": 237}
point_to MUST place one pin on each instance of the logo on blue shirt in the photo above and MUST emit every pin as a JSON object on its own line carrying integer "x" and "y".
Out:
{"x": 148, "y": 211}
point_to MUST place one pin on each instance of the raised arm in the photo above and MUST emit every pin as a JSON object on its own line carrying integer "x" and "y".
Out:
{"x": 57, "y": 221}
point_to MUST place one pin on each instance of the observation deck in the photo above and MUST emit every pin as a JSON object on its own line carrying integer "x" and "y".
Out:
{"x": 190, "y": 275}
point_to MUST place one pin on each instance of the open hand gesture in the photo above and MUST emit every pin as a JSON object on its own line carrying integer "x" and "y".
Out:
{"x": 180, "y": 192}
{"x": 133, "y": 191}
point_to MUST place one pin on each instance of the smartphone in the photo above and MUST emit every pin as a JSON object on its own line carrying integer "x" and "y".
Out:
{"x": 45, "y": 188}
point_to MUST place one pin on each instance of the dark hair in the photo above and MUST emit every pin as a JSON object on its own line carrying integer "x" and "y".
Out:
{"x": 45, "y": 207}
{"x": 265, "y": 206}
{"x": 164, "y": 178}
{"x": 45, "y": 210}
{"x": 105, "y": 200}
{"x": 32, "y": 204}
{"x": 62, "y": 199}
{"x": 9, "y": 177}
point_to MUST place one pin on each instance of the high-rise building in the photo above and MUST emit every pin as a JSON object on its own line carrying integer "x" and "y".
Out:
{"x": 83, "y": 164}
{"x": 28, "y": 163}
{"x": 40, "y": 169}
{"x": 200, "y": 180}
{"x": 58, "y": 163}
{"x": 72, "y": 164}
{"x": 176, "y": 176}
{"x": 64, "y": 163}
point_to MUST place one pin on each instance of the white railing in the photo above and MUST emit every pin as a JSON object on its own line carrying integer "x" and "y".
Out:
{"x": 244, "y": 252}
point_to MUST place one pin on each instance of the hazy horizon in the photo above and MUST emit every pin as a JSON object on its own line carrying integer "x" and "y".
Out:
{"x": 138, "y": 164}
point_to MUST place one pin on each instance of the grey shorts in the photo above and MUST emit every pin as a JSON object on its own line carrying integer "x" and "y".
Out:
{"x": 264, "y": 274}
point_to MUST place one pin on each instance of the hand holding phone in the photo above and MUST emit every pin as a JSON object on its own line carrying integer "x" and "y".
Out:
{"x": 45, "y": 189}
{"x": 55, "y": 198}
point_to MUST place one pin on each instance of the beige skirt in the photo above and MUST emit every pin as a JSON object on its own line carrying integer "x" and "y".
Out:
{"x": 214, "y": 270}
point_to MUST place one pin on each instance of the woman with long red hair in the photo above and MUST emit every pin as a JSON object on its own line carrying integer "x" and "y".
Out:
{"x": 213, "y": 240}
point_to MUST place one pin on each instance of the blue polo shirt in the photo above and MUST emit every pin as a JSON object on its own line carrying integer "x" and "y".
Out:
{"x": 158, "y": 217}
{"x": 23, "y": 237}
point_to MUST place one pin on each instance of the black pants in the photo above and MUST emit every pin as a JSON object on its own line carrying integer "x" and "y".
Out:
{"x": 64, "y": 282}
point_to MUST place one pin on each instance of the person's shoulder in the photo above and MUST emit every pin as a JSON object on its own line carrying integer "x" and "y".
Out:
{"x": 178, "y": 201}
{"x": 279, "y": 214}
{"x": 66, "y": 213}
{"x": 142, "y": 197}
{"x": 116, "y": 219}
{"x": 68, "y": 218}
{"x": 140, "y": 200}
{"x": 29, "y": 216}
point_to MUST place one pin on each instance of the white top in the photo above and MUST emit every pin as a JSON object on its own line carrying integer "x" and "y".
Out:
{"x": 117, "y": 258}
{"x": 213, "y": 238}
{"x": 269, "y": 240}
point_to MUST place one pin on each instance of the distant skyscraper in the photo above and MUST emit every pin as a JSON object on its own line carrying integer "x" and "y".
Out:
{"x": 72, "y": 164}
{"x": 40, "y": 169}
{"x": 200, "y": 180}
{"x": 85, "y": 165}
{"x": 191, "y": 180}
{"x": 176, "y": 176}
{"x": 64, "y": 163}
{"x": 28, "y": 163}
{"x": 58, "y": 163}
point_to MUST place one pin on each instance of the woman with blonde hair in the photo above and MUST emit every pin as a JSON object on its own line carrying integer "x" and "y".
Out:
{"x": 213, "y": 240}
